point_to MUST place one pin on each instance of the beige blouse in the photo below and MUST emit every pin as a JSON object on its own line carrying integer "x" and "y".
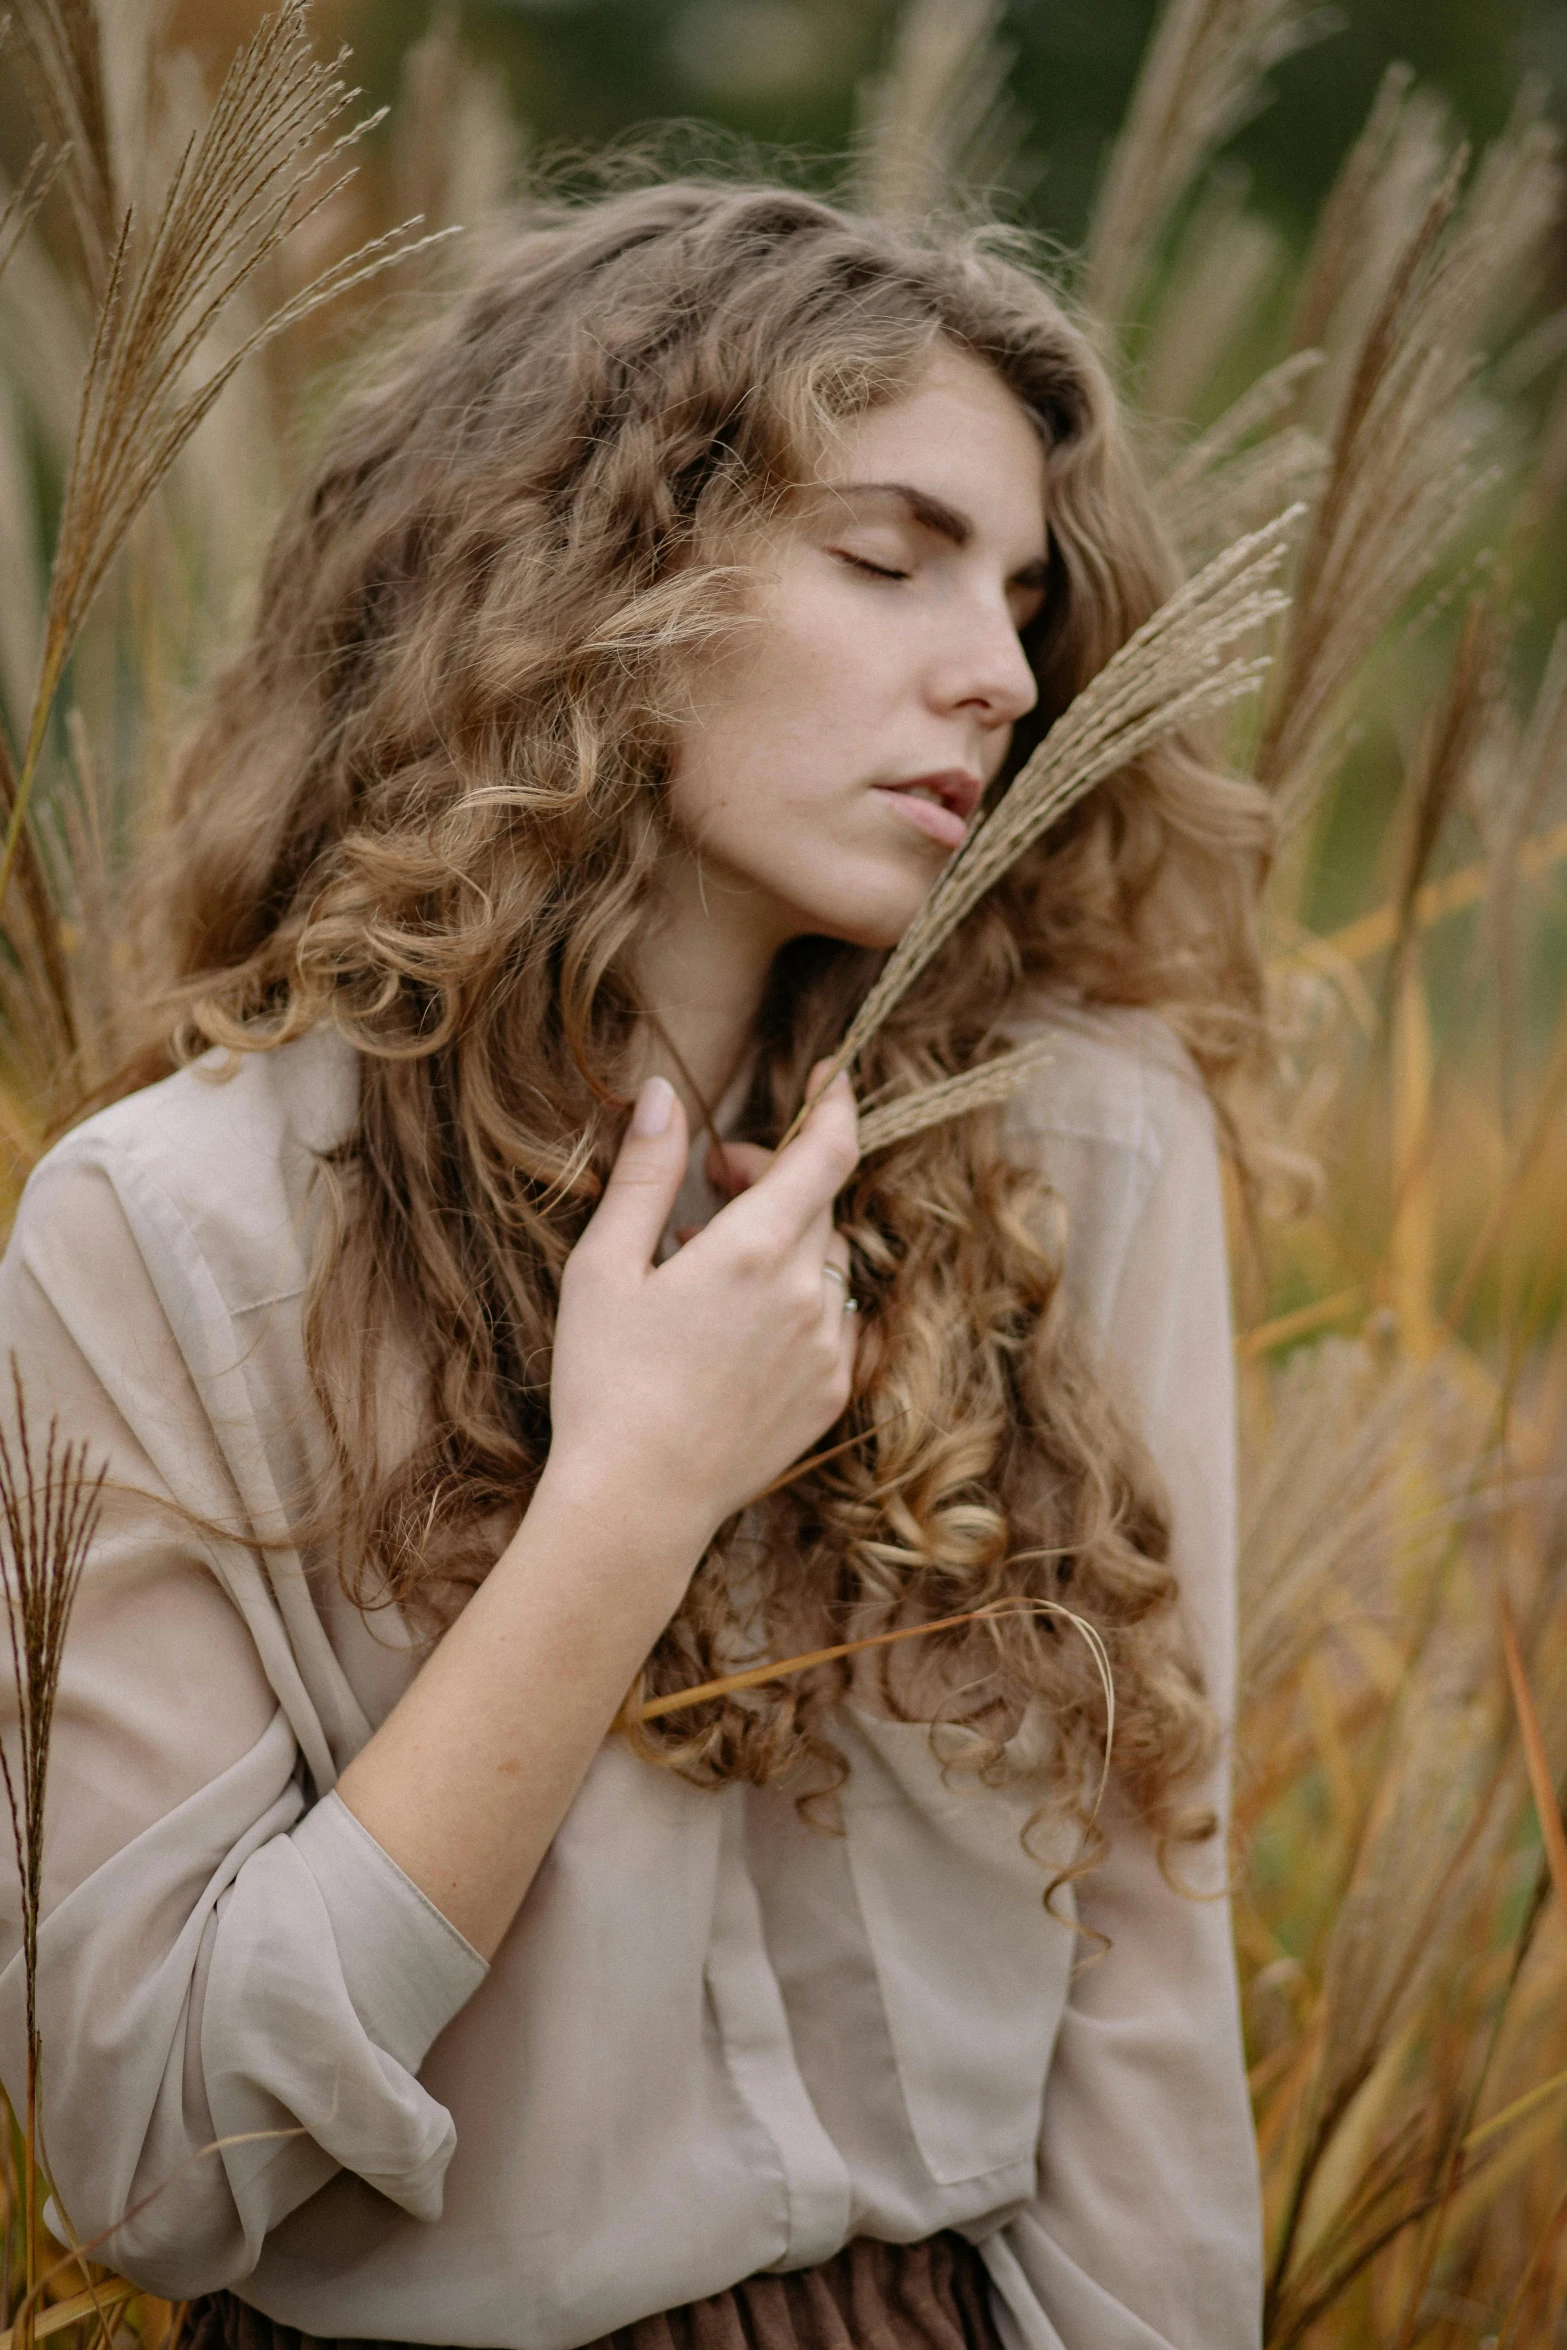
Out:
{"x": 714, "y": 2041}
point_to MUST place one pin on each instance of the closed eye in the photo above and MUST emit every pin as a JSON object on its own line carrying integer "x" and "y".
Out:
{"x": 862, "y": 563}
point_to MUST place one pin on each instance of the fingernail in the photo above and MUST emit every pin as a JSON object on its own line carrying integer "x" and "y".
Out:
{"x": 654, "y": 1103}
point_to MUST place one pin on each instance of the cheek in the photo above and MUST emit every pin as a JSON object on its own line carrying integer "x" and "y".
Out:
{"x": 761, "y": 729}
{"x": 741, "y": 796}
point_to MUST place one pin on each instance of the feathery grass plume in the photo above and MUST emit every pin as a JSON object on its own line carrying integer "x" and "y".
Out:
{"x": 27, "y": 199}
{"x": 49, "y": 1509}
{"x": 1210, "y": 299}
{"x": 1203, "y": 75}
{"x": 44, "y": 340}
{"x": 1424, "y": 1867}
{"x": 1462, "y": 719}
{"x": 1324, "y": 1536}
{"x": 1402, "y": 475}
{"x": 250, "y": 180}
{"x": 938, "y": 119}
{"x": 1381, "y": 189}
{"x": 1514, "y": 790}
{"x": 1383, "y": 2042}
{"x": 982, "y": 1088}
{"x": 1168, "y": 674}
{"x": 457, "y": 150}
{"x": 1516, "y": 785}
{"x": 1229, "y": 479}
{"x": 60, "y": 54}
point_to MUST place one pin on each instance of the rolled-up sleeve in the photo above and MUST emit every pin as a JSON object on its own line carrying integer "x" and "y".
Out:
{"x": 1145, "y": 2233}
{"x": 237, "y": 1985}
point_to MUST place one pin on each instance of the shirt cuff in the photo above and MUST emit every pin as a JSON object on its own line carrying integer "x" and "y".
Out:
{"x": 406, "y": 1968}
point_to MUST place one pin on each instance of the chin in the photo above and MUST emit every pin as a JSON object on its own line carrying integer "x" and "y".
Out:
{"x": 867, "y": 901}
{"x": 878, "y": 926}
{"x": 880, "y": 937}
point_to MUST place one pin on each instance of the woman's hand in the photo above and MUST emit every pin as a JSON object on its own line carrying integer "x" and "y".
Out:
{"x": 679, "y": 1392}
{"x": 693, "y": 1384}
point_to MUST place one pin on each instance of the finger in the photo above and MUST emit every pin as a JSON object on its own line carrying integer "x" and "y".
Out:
{"x": 837, "y": 1279}
{"x": 804, "y": 1179}
{"x": 640, "y": 1193}
{"x": 732, "y": 1167}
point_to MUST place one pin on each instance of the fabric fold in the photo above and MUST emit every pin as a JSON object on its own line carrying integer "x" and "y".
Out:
{"x": 244, "y": 2051}
{"x": 406, "y": 1968}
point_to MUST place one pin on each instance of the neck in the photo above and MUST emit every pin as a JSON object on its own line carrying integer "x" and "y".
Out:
{"x": 701, "y": 968}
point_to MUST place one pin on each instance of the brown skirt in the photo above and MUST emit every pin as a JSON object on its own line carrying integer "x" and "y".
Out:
{"x": 870, "y": 2296}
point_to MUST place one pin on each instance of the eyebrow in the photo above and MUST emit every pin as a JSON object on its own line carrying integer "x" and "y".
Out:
{"x": 935, "y": 514}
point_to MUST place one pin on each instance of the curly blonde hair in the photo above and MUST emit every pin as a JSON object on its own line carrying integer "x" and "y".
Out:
{"x": 426, "y": 806}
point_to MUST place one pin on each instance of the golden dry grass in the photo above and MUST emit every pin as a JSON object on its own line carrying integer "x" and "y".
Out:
{"x": 1401, "y": 1916}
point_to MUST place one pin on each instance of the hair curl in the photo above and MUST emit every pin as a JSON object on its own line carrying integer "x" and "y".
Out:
{"x": 426, "y": 805}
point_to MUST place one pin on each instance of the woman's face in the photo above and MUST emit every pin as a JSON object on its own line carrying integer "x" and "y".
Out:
{"x": 836, "y": 751}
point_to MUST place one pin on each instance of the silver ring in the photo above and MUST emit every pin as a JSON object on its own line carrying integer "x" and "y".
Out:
{"x": 851, "y": 1304}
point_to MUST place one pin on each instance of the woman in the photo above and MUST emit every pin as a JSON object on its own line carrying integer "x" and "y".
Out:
{"x": 625, "y": 673}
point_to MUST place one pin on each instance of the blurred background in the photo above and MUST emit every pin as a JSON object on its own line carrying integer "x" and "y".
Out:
{"x": 785, "y": 72}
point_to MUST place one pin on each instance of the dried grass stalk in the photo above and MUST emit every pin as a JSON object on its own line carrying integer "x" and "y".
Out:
{"x": 61, "y": 61}
{"x": 1212, "y": 299}
{"x": 248, "y": 182}
{"x": 27, "y": 198}
{"x": 953, "y": 1097}
{"x": 1461, "y": 720}
{"x": 100, "y": 2303}
{"x": 48, "y": 1517}
{"x": 1515, "y": 784}
{"x": 457, "y": 151}
{"x": 938, "y": 119}
{"x": 1424, "y": 1873}
{"x": 1382, "y": 186}
{"x": 21, "y": 603}
{"x": 1402, "y": 477}
{"x": 1542, "y": 1786}
{"x": 1326, "y": 1523}
{"x": 1203, "y": 75}
{"x": 759, "y": 1676}
{"x": 1229, "y": 479}
{"x": 1168, "y": 674}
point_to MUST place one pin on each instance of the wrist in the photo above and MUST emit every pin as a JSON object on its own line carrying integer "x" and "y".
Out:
{"x": 651, "y": 1519}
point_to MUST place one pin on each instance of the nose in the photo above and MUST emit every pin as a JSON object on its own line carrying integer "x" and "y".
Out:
{"x": 980, "y": 667}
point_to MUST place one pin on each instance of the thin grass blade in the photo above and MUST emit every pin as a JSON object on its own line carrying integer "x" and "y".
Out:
{"x": 953, "y": 1097}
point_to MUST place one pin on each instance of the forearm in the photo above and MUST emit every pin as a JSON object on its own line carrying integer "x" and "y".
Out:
{"x": 470, "y": 1775}
{"x": 677, "y": 1392}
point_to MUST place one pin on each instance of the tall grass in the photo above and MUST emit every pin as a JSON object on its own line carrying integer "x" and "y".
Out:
{"x": 1400, "y": 1863}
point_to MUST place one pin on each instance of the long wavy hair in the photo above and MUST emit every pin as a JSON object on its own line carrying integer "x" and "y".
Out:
{"x": 426, "y": 805}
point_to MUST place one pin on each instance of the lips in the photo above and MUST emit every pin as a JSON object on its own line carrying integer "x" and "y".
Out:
{"x": 939, "y": 804}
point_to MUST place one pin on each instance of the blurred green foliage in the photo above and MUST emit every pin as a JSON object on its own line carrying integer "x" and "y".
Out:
{"x": 784, "y": 72}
